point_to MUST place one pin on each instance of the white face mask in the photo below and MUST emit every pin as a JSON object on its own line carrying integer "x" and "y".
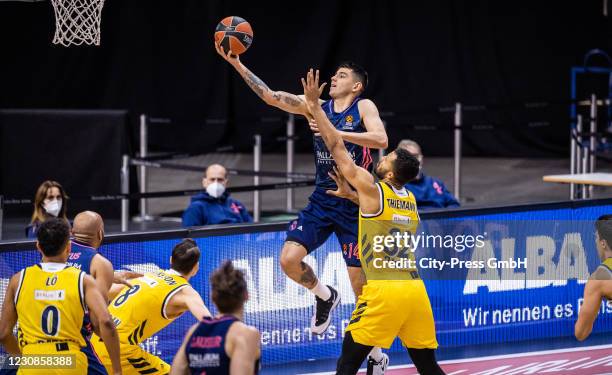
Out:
{"x": 215, "y": 189}
{"x": 53, "y": 207}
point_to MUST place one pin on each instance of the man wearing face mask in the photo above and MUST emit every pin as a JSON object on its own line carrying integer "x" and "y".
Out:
{"x": 214, "y": 206}
{"x": 430, "y": 192}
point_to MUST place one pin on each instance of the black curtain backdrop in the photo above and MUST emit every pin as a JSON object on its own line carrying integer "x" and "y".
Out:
{"x": 157, "y": 57}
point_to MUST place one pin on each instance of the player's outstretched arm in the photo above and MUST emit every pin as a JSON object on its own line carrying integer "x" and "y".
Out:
{"x": 280, "y": 99}
{"x": 104, "y": 321}
{"x": 358, "y": 177}
{"x": 187, "y": 299}
{"x": 180, "y": 365}
{"x": 590, "y": 308}
{"x": 243, "y": 350}
{"x": 102, "y": 272}
{"x": 374, "y": 137}
{"x": 9, "y": 318}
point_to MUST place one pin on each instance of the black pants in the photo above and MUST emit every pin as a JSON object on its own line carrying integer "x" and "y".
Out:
{"x": 353, "y": 355}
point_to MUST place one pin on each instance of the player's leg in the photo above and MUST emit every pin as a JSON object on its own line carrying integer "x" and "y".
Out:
{"x": 357, "y": 278}
{"x": 347, "y": 236}
{"x": 305, "y": 234}
{"x": 293, "y": 265}
{"x": 94, "y": 363}
{"x": 425, "y": 361}
{"x": 418, "y": 332}
{"x": 353, "y": 355}
{"x": 137, "y": 361}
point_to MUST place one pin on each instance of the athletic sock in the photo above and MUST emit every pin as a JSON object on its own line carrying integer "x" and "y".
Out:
{"x": 376, "y": 354}
{"x": 321, "y": 291}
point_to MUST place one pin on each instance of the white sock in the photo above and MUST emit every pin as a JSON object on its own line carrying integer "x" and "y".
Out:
{"x": 376, "y": 354}
{"x": 321, "y": 291}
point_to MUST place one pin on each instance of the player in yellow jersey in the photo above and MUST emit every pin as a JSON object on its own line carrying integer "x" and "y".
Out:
{"x": 153, "y": 302}
{"x": 599, "y": 285}
{"x": 49, "y": 301}
{"x": 394, "y": 301}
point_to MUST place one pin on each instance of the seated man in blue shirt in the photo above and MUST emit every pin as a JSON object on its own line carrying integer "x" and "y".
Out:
{"x": 429, "y": 192}
{"x": 214, "y": 206}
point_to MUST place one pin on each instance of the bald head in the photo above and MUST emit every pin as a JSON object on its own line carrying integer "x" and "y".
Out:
{"x": 215, "y": 173}
{"x": 88, "y": 227}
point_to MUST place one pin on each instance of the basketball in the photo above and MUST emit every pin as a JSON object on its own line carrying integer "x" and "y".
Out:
{"x": 235, "y": 34}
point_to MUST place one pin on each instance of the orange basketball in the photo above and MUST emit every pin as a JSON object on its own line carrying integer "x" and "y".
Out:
{"x": 235, "y": 34}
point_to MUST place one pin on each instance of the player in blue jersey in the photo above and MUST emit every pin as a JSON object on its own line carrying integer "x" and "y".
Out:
{"x": 222, "y": 345}
{"x": 361, "y": 128}
{"x": 87, "y": 237}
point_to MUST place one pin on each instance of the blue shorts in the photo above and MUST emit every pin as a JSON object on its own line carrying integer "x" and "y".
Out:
{"x": 324, "y": 215}
{"x": 94, "y": 366}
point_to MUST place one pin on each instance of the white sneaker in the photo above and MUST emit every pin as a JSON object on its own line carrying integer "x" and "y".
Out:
{"x": 377, "y": 368}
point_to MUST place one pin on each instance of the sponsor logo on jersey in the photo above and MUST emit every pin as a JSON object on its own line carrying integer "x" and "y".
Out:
{"x": 49, "y": 295}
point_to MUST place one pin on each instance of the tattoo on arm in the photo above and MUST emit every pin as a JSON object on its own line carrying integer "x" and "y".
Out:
{"x": 256, "y": 84}
{"x": 308, "y": 278}
{"x": 290, "y": 99}
{"x": 296, "y": 102}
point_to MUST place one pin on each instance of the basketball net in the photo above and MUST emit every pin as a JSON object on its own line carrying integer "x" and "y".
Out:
{"x": 77, "y": 22}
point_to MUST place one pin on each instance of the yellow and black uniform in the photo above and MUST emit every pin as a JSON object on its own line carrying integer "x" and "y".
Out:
{"x": 606, "y": 267}
{"x": 140, "y": 312}
{"x": 394, "y": 301}
{"x": 50, "y": 306}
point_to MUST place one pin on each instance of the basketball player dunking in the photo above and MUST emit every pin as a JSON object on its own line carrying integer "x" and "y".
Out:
{"x": 394, "y": 301}
{"x": 358, "y": 122}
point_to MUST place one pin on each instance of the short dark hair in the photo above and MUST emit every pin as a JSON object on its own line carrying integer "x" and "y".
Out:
{"x": 229, "y": 289}
{"x": 405, "y": 167}
{"x": 603, "y": 225}
{"x": 53, "y": 236}
{"x": 185, "y": 255}
{"x": 358, "y": 71}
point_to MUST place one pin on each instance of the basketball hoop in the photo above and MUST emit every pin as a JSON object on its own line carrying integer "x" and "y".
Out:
{"x": 77, "y": 22}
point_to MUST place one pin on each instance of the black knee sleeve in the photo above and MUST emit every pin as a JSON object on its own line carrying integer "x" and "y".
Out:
{"x": 425, "y": 361}
{"x": 353, "y": 355}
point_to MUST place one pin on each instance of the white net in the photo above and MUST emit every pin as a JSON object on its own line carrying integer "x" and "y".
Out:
{"x": 77, "y": 22}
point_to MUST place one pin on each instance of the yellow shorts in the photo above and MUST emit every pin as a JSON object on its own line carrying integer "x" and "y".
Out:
{"x": 134, "y": 360}
{"x": 73, "y": 360}
{"x": 390, "y": 308}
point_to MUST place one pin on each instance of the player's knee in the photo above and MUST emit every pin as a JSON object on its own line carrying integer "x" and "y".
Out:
{"x": 289, "y": 259}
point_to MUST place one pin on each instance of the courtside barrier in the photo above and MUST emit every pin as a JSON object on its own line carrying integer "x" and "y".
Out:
{"x": 494, "y": 307}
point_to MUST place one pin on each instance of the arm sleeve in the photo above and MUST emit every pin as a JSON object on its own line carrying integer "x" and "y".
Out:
{"x": 194, "y": 216}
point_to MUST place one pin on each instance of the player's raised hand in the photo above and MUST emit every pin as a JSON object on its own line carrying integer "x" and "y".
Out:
{"x": 314, "y": 127}
{"x": 344, "y": 189}
{"x": 122, "y": 277}
{"x": 312, "y": 90}
{"x": 229, "y": 57}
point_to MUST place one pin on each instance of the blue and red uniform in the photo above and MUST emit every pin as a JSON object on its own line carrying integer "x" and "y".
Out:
{"x": 205, "y": 349}
{"x": 326, "y": 214}
{"x": 80, "y": 257}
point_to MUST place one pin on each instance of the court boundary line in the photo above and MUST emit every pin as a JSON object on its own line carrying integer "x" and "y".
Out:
{"x": 491, "y": 358}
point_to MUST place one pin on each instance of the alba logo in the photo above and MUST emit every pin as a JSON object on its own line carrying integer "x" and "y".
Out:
{"x": 349, "y": 118}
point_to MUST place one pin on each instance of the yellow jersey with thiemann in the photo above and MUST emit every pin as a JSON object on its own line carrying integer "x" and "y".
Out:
{"x": 50, "y": 304}
{"x": 140, "y": 312}
{"x": 394, "y": 301}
